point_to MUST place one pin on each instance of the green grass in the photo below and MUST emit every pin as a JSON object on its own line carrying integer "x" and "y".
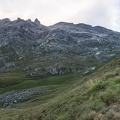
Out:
{"x": 25, "y": 83}
{"x": 84, "y": 102}
{"x": 11, "y": 78}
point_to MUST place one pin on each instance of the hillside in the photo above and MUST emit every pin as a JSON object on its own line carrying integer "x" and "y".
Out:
{"x": 61, "y": 72}
{"x": 94, "y": 97}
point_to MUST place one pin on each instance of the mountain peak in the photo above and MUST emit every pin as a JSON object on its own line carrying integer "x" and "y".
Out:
{"x": 37, "y": 21}
{"x": 19, "y": 19}
{"x": 5, "y": 20}
{"x": 29, "y": 20}
{"x": 83, "y": 25}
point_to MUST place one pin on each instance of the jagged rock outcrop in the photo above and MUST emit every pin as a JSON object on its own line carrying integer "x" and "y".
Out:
{"x": 37, "y": 21}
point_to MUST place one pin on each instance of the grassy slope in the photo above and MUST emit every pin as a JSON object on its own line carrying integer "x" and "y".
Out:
{"x": 17, "y": 81}
{"x": 96, "y": 96}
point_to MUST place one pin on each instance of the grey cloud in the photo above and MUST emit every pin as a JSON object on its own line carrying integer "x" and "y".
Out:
{"x": 95, "y": 12}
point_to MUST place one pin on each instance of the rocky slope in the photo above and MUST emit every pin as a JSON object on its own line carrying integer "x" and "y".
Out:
{"x": 61, "y": 48}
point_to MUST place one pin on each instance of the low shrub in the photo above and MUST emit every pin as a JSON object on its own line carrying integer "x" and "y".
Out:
{"x": 117, "y": 80}
{"x": 108, "y": 97}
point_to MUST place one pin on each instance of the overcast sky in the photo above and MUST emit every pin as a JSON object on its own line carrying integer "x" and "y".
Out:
{"x": 95, "y": 12}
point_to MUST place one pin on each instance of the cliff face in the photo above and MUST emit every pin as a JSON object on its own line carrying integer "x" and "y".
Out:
{"x": 58, "y": 49}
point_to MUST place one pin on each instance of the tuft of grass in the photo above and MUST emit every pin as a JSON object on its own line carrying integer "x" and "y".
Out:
{"x": 109, "y": 75}
{"x": 99, "y": 85}
{"x": 88, "y": 116}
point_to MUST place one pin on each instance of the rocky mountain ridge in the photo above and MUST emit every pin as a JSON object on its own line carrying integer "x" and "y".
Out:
{"x": 61, "y": 48}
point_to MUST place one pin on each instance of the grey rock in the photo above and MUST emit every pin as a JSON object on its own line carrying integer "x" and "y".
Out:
{"x": 52, "y": 70}
{"x": 11, "y": 98}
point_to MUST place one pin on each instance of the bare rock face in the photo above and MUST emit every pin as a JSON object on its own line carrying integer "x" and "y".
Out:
{"x": 75, "y": 47}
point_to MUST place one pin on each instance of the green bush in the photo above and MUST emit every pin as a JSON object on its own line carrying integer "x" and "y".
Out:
{"x": 108, "y": 97}
{"x": 117, "y": 80}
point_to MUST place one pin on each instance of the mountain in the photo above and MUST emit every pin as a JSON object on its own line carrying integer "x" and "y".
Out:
{"x": 40, "y": 50}
{"x": 61, "y": 72}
